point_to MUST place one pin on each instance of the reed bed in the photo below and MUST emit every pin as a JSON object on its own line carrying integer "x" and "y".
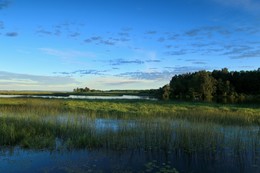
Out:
{"x": 146, "y": 125}
{"x": 196, "y": 112}
{"x": 154, "y": 134}
{"x": 199, "y": 131}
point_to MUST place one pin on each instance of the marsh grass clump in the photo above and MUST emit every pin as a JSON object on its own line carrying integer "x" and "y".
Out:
{"x": 25, "y": 133}
{"x": 39, "y": 133}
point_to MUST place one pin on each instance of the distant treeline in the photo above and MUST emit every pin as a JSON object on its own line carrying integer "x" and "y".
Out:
{"x": 88, "y": 91}
{"x": 218, "y": 85}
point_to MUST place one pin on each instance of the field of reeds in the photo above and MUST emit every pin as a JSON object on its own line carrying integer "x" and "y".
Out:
{"x": 192, "y": 111}
{"x": 40, "y": 123}
{"x": 198, "y": 130}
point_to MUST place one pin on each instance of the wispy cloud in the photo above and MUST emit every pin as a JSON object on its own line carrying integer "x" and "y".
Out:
{"x": 87, "y": 40}
{"x": 117, "y": 82}
{"x": 152, "y": 32}
{"x": 247, "y": 29}
{"x": 177, "y": 52}
{"x": 186, "y": 69}
{"x": 99, "y": 40}
{"x": 120, "y": 61}
{"x": 147, "y": 75}
{"x": 207, "y": 31}
{"x": 36, "y": 79}
{"x": 249, "y": 50}
{"x": 236, "y": 49}
{"x": 122, "y": 82}
{"x": 168, "y": 46}
{"x": 172, "y": 36}
{"x": 124, "y": 34}
{"x": 74, "y": 34}
{"x": 193, "y": 32}
{"x": 108, "y": 42}
{"x": 4, "y": 4}
{"x": 161, "y": 39}
{"x": 23, "y": 81}
{"x": 153, "y": 61}
{"x": 96, "y": 38}
{"x": 67, "y": 53}
{"x": 124, "y": 39}
{"x": 199, "y": 62}
{"x": 200, "y": 45}
{"x": 196, "y": 61}
{"x": 247, "y": 54}
{"x": 252, "y": 6}
{"x": 68, "y": 29}
{"x": 11, "y": 34}
{"x": 2, "y": 26}
{"x": 165, "y": 74}
{"x": 214, "y": 40}
{"x": 42, "y": 31}
{"x": 83, "y": 72}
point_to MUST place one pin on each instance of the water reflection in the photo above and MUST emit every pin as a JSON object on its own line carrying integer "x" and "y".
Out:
{"x": 127, "y": 97}
{"x": 104, "y": 160}
{"x": 151, "y": 145}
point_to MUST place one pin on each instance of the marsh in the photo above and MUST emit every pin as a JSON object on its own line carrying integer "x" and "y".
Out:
{"x": 46, "y": 135}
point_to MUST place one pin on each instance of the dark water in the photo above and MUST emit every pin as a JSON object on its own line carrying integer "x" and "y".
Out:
{"x": 19, "y": 160}
{"x": 238, "y": 151}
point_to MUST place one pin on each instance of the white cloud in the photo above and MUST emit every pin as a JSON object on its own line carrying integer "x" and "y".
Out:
{"x": 117, "y": 82}
{"x": 16, "y": 81}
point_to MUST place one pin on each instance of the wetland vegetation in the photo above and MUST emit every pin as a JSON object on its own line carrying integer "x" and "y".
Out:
{"x": 168, "y": 136}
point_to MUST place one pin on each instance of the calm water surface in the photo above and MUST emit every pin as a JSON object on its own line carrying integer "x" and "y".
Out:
{"x": 239, "y": 152}
{"x": 127, "y": 97}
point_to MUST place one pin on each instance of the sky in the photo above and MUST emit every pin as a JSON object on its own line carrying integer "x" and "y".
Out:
{"x": 59, "y": 45}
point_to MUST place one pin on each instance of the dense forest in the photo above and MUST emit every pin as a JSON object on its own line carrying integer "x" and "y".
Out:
{"x": 218, "y": 85}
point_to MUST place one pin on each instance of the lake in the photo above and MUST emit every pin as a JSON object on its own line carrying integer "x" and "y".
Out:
{"x": 141, "y": 145}
{"x": 127, "y": 97}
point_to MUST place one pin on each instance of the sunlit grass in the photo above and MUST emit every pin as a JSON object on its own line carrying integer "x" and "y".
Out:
{"x": 197, "y": 112}
{"x": 190, "y": 111}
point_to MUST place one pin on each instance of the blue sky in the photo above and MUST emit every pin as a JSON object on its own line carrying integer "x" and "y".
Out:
{"x": 122, "y": 44}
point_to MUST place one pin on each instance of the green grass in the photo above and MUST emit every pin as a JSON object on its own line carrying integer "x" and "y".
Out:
{"x": 189, "y": 111}
{"x": 197, "y": 112}
{"x": 56, "y": 124}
